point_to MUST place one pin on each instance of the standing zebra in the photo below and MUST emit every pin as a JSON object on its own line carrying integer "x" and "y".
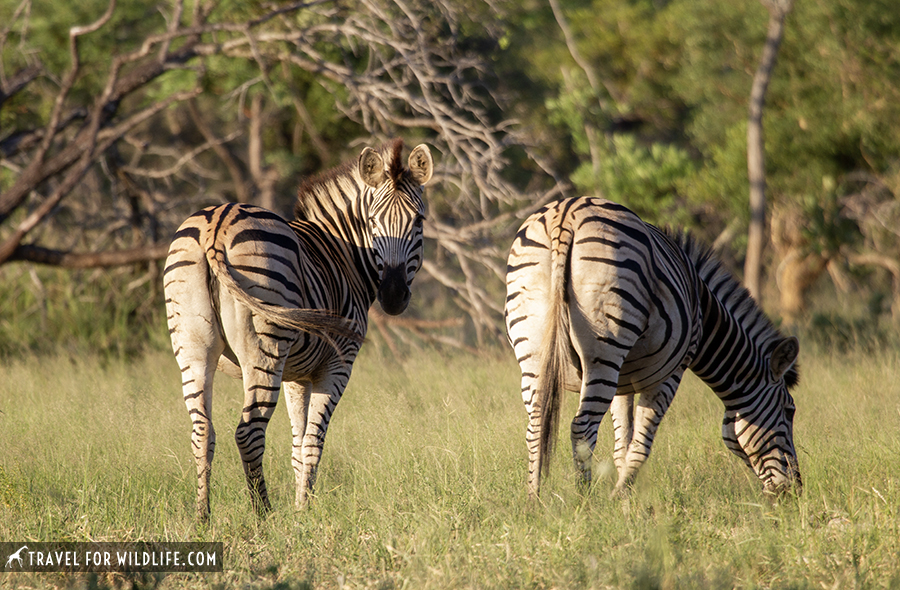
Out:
{"x": 600, "y": 301}
{"x": 273, "y": 301}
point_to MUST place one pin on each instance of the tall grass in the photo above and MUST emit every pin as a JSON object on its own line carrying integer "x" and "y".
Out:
{"x": 422, "y": 483}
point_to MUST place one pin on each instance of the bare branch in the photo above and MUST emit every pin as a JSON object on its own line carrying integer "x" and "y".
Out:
{"x": 21, "y": 79}
{"x": 106, "y": 259}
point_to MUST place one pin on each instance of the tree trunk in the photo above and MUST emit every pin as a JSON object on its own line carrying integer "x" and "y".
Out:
{"x": 756, "y": 166}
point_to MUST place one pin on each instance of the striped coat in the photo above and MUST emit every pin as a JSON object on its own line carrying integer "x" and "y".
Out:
{"x": 600, "y": 302}
{"x": 275, "y": 302}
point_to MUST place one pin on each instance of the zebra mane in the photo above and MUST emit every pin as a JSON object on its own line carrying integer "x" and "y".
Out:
{"x": 734, "y": 296}
{"x": 313, "y": 192}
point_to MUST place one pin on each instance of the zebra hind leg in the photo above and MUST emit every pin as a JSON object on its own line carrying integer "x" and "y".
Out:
{"x": 260, "y": 397}
{"x": 598, "y": 389}
{"x": 198, "y": 399}
{"x": 250, "y": 438}
{"x": 197, "y": 344}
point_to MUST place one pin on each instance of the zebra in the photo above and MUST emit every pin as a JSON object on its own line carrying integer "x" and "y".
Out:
{"x": 602, "y": 302}
{"x": 285, "y": 302}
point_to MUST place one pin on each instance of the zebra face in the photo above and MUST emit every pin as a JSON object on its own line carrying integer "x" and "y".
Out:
{"x": 398, "y": 249}
{"x": 767, "y": 448}
{"x": 762, "y": 433}
{"x": 396, "y": 216}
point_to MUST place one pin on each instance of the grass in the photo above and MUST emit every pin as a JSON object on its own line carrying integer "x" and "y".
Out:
{"x": 422, "y": 483}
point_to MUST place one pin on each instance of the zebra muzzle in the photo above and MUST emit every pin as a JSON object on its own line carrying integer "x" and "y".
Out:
{"x": 393, "y": 292}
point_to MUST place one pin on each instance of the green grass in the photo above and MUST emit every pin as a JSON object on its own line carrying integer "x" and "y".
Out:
{"x": 422, "y": 483}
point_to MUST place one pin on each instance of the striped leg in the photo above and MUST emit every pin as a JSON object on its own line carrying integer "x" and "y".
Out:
{"x": 261, "y": 349}
{"x": 297, "y": 396}
{"x": 528, "y": 355}
{"x": 198, "y": 399}
{"x": 260, "y": 397}
{"x": 197, "y": 388}
{"x": 622, "y": 411}
{"x": 324, "y": 398}
{"x": 598, "y": 389}
{"x": 532, "y": 433}
{"x": 197, "y": 342}
{"x": 652, "y": 406}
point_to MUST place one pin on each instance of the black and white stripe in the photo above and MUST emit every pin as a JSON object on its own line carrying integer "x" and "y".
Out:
{"x": 272, "y": 302}
{"x": 600, "y": 302}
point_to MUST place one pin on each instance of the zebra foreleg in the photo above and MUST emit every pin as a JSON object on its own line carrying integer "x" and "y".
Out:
{"x": 622, "y": 410}
{"x": 323, "y": 400}
{"x": 297, "y": 397}
{"x": 652, "y": 406}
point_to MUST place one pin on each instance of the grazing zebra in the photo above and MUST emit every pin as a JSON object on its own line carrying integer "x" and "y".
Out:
{"x": 273, "y": 302}
{"x": 601, "y": 302}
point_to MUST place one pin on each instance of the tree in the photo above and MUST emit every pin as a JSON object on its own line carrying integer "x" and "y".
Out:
{"x": 136, "y": 139}
{"x": 756, "y": 167}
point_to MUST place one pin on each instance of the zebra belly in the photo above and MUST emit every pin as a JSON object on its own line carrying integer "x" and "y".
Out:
{"x": 307, "y": 361}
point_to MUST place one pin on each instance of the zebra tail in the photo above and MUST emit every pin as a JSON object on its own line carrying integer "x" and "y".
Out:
{"x": 554, "y": 349}
{"x": 322, "y": 323}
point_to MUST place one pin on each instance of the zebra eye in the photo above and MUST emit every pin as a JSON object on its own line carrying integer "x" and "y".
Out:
{"x": 789, "y": 413}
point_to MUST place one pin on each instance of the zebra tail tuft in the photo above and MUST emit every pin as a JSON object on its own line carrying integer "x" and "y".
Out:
{"x": 554, "y": 349}
{"x": 319, "y": 322}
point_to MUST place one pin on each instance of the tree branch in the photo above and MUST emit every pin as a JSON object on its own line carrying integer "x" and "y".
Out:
{"x": 105, "y": 259}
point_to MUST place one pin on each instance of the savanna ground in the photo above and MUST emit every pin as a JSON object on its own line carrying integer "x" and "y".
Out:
{"x": 422, "y": 483}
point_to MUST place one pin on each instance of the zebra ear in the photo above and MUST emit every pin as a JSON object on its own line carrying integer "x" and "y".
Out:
{"x": 420, "y": 164}
{"x": 783, "y": 357}
{"x": 371, "y": 167}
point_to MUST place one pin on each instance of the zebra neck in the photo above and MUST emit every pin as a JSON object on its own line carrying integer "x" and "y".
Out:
{"x": 333, "y": 249}
{"x": 730, "y": 356}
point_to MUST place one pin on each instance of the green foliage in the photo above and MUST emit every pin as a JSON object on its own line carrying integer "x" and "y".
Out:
{"x": 646, "y": 179}
{"x": 46, "y": 311}
{"x": 683, "y": 70}
{"x": 822, "y": 119}
{"x": 422, "y": 483}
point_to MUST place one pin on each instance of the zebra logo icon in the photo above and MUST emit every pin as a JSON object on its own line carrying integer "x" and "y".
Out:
{"x": 17, "y": 556}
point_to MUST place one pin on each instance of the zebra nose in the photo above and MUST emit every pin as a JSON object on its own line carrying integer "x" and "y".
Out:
{"x": 393, "y": 292}
{"x": 788, "y": 481}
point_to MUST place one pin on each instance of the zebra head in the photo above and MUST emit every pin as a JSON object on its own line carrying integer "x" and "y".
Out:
{"x": 395, "y": 216}
{"x": 760, "y": 429}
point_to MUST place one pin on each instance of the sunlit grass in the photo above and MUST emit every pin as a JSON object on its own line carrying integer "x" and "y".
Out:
{"x": 422, "y": 482}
